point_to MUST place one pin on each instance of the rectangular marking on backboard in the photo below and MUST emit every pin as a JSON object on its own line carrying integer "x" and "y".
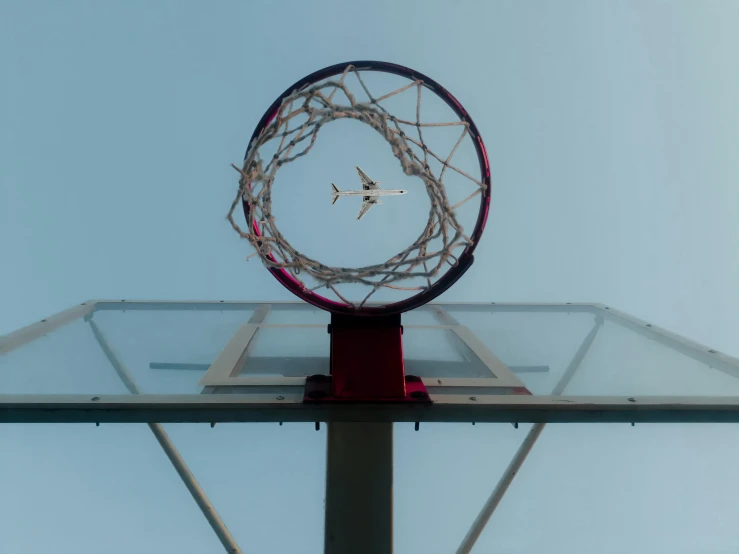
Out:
{"x": 469, "y": 342}
{"x": 262, "y": 381}
{"x": 500, "y": 371}
{"x": 227, "y": 363}
{"x": 260, "y": 314}
{"x": 443, "y": 317}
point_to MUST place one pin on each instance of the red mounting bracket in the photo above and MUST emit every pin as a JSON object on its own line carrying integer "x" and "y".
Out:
{"x": 366, "y": 363}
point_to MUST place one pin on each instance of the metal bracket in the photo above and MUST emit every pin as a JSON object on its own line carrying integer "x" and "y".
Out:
{"x": 366, "y": 364}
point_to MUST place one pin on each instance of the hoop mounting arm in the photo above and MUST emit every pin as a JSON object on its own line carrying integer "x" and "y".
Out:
{"x": 366, "y": 363}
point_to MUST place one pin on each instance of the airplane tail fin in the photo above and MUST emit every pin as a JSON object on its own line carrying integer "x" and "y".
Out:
{"x": 335, "y": 191}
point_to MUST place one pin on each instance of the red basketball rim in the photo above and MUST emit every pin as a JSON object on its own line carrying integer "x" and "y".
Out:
{"x": 465, "y": 259}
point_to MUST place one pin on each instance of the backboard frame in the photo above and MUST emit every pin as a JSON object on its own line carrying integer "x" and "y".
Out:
{"x": 511, "y": 408}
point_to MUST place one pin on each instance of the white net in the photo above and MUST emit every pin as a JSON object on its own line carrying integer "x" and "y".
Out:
{"x": 292, "y": 134}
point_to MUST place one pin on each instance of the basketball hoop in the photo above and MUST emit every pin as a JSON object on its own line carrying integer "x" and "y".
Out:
{"x": 443, "y": 250}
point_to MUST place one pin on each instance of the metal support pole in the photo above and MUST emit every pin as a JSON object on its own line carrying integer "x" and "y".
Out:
{"x": 216, "y": 523}
{"x": 505, "y": 481}
{"x": 201, "y": 499}
{"x": 359, "y": 489}
{"x": 523, "y": 451}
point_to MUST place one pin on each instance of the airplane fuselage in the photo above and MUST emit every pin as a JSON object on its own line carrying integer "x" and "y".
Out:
{"x": 371, "y": 192}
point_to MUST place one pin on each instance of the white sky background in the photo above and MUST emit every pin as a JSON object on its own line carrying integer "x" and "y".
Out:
{"x": 611, "y": 127}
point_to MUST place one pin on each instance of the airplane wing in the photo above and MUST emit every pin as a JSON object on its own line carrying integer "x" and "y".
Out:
{"x": 367, "y": 182}
{"x": 367, "y": 204}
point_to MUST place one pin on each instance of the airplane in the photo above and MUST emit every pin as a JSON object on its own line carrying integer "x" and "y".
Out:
{"x": 370, "y": 193}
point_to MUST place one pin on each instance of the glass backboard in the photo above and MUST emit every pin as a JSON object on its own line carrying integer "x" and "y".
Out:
{"x": 100, "y": 403}
{"x": 240, "y": 361}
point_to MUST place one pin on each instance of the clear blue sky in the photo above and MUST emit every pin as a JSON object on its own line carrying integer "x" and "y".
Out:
{"x": 612, "y": 130}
